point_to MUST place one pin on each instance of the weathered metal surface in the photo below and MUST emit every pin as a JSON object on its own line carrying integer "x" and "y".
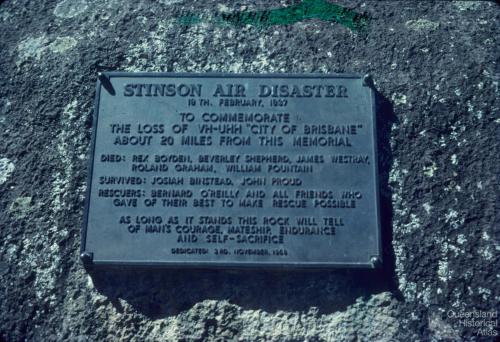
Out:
{"x": 228, "y": 170}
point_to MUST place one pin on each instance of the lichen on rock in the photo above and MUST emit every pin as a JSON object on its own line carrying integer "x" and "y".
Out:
{"x": 70, "y": 8}
{"x": 6, "y": 169}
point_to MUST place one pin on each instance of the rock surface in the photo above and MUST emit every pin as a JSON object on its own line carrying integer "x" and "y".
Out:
{"x": 435, "y": 67}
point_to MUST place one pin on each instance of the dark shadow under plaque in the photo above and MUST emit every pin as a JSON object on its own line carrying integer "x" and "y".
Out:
{"x": 233, "y": 170}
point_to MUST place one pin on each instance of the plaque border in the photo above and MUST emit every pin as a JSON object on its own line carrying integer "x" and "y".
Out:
{"x": 87, "y": 256}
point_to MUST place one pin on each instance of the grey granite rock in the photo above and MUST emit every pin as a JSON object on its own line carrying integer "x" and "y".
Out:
{"x": 435, "y": 67}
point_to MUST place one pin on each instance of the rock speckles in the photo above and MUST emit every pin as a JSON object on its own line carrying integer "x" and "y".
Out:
{"x": 169, "y": 2}
{"x": 399, "y": 99}
{"x": 467, "y": 5}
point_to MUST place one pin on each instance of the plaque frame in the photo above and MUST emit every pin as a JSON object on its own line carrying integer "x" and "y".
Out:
{"x": 103, "y": 81}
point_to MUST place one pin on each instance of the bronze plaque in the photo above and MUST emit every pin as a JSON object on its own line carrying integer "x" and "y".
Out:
{"x": 233, "y": 170}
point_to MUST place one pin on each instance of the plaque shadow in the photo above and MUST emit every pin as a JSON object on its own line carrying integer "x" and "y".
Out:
{"x": 159, "y": 293}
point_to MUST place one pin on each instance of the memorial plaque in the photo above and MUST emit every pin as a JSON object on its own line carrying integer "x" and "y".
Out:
{"x": 233, "y": 170}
